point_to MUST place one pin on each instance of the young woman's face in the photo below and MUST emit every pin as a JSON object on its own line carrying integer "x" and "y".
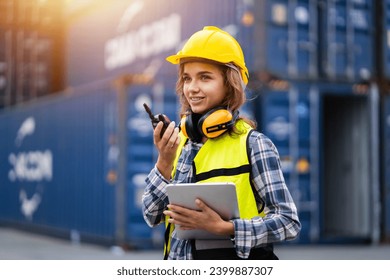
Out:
{"x": 203, "y": 86}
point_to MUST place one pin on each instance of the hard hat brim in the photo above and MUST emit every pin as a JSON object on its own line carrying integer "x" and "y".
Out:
{"x": 174, "y": 59}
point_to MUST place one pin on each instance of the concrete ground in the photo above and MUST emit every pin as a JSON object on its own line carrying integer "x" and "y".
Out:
{"x": 21, "y": 245}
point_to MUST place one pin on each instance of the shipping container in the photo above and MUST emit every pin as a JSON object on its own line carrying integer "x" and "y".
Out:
{"x": 327, "y": 137}
{"x": 305, "y": 40}
{"x": 286, "y": 38}
{"x": 75, "y": 164}
{"x": 31, "y": 50}
{"x": 347, "y": 39}
{"x": 136, "y": 36}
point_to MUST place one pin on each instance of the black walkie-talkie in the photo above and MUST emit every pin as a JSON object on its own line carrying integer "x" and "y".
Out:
{"x": 155, "y": 119}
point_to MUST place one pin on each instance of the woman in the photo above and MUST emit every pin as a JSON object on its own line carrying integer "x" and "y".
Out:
{"x": 210, "y": 148}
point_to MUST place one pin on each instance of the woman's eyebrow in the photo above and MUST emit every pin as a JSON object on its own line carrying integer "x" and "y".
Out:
{"x": 205, "y": 72}
{"x": 200, "y": 73}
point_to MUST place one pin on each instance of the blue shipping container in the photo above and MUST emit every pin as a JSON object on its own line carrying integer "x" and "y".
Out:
{"x": 347, "y": 40}
{"x": 306, "y": 40}
{"x": 135, "y": 36}
{"x": 286, "y": 38}
{"x": 62, "y": 161}
{"x": 53, "y": 156}
{"x": 326, "y": 136}
{"x": 279, "y": 37}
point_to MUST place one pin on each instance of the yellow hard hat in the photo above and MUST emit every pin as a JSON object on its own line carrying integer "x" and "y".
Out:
{"x": 214, "y": 44}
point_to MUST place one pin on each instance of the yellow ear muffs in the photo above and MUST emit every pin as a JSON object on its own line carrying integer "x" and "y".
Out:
{"x": 215, "y": 122}
{"x": 211, "y": 125}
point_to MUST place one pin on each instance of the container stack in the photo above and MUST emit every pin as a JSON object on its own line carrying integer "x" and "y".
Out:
{"x": 30, "y": 48}
{"x": 314, "y": 74}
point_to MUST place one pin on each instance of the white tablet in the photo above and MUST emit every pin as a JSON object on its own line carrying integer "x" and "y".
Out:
{"x": 221, "y": 197}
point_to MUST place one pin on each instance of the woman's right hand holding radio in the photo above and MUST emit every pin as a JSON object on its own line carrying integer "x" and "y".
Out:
{"x": 166, "y": 146}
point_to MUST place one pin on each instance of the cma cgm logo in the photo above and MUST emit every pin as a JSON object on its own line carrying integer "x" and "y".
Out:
{"x": 33, "y": 166}
{"x": 148, "y": 40}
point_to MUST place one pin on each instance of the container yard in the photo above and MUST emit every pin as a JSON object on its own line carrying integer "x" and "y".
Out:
{"x": 75, "y": 153}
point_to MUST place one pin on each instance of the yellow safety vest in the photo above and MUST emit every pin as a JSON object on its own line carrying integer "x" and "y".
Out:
{"x": 224, "y": 159}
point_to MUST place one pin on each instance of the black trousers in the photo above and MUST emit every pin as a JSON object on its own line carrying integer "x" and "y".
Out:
{"x": 263, "y": 253}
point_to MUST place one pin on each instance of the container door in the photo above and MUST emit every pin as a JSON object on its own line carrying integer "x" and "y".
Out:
{"x": 349, "y": 160}
{"x": 346, "y": 158}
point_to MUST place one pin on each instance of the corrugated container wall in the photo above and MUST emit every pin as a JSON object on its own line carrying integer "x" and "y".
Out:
{"x": 347, "y": 32}
{"x": 56, "y": 154}
{"x": 286, "y": 39}
{"x": 63, "y": 165}
{"x": 136, "y": 36}
{"x": 306, "y": 40}
{"x": 311, "y": 40}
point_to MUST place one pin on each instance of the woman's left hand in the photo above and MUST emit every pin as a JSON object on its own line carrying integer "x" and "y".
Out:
{"x": 205, "y": 218}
